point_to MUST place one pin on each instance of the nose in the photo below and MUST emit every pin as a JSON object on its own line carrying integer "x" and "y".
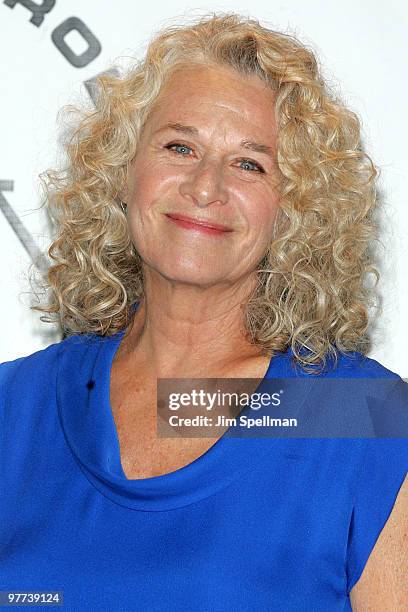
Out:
{"x": 204, "y": 185}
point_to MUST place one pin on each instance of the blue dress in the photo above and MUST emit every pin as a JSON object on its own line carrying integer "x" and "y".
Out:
{"x": 255, "y": 523}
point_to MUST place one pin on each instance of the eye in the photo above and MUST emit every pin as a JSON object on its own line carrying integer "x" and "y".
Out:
{"x": 248, "y": 162}
{"x": 179, "y": 145}
{"x": 252, "y": 163}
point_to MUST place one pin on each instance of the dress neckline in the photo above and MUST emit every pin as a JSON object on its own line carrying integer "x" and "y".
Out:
{"x": 83, "y": 392}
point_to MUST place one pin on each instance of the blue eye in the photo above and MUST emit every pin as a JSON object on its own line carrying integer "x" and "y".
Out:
{"x": 248, "y": 162}
{"x": 176, "y": 144}
{"x": 257, "y": 166}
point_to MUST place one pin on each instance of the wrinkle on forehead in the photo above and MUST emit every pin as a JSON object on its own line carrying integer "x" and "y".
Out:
{"x": 205, "y": 77}
{"x": 189, "y": 90}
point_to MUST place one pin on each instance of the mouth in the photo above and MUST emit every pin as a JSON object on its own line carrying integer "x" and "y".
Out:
{"x": 198, "y": 224}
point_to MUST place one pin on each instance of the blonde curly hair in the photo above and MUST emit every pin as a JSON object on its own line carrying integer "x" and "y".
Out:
{"x": 311, "y": 292}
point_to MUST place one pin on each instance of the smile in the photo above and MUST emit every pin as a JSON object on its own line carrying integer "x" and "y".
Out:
{"x": 191, "y": 224}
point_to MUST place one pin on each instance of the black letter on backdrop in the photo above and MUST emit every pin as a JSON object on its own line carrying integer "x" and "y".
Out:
{"x": 92, "y": 84}
{"x": 58, "y": 38}
{"x": 38, "y": 10}
{"x": 19, "y": 229}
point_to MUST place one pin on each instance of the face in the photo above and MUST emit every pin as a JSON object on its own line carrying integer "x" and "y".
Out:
{"x": 192, "y": 161}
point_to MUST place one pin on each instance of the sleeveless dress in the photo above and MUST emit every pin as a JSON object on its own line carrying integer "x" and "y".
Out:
{"x": 258, "y": 522}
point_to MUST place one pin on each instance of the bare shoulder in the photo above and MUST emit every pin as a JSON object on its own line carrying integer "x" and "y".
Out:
{"x": 383, "y": 585}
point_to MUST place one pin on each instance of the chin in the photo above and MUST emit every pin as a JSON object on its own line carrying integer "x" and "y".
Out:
{"x": 192, "y": 275}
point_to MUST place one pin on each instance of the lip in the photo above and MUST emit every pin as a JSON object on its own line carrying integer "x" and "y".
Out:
{"x": 199, "y": 222}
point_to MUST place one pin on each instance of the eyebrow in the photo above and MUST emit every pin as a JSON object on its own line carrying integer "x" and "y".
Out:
{"x": 193, "y": 131}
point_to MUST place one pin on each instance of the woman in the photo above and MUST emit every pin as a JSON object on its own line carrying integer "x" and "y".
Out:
{"x": 228, "y": 124}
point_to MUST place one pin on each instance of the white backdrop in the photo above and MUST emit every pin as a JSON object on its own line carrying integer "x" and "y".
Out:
{"x": 49, "y": 49}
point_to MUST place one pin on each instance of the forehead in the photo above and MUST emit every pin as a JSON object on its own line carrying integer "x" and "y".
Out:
{"x": 194, "y": 92}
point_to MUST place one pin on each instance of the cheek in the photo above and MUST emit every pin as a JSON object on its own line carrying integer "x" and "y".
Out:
{"x": 261, "y": 213}
{"x": 150, "y": 184}
{"x": 143, "y": 184}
